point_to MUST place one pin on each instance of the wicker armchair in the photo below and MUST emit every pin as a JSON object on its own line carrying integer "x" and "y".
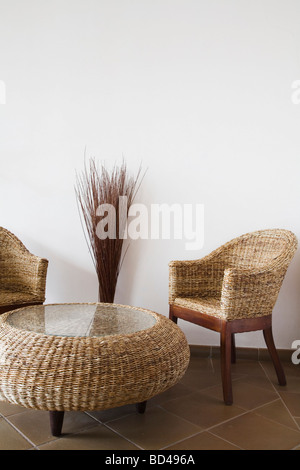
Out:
{"x": 234, "y": 290}
{"x": 22, "y": 274}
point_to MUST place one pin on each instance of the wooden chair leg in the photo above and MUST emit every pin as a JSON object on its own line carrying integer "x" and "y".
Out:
{"x": 141, "y": 407}
{"x": 268, "y": 335}
{"x": 226, "y": 347}
{"x": 233, "y": 354}
{"x": 56, "y": 422}
{"x": 171, "y": 315}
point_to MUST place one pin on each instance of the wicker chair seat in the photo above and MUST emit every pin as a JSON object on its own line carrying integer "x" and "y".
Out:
{"x": 206, "y": 305}
{"x": 8, "y": 297}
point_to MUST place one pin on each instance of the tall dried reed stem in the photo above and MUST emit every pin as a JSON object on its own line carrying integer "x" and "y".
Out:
{"x": 95, "y": 186}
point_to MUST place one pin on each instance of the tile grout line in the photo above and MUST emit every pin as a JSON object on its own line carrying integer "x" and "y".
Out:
{"x": 177, "y": 416}
{"x": 110, "y": 420}
{"x": 84, "y": 429}
{"x": 181, "y": 440}
{"x": 226, "y": 440}
{"x": 279, "y": 396}
{"x": 20, "y": 432}
{"x": 123, "y": 437}
{"x": 251, "y": 411}
{"x": 196, "y": 434}
{"x": 208, "y": 429}
{"x": 227, "y": 420}
{"x": 113, "y": 430}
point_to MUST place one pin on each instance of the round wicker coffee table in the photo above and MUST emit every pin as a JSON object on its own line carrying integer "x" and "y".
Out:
{"x": 93, "y": 356}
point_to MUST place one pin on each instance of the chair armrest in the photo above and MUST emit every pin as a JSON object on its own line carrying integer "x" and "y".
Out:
{"x": 250, "y": 293}
{"x": 40, "y": 282}
{"x": 27, "y": 274}
{"x": 194, "y": 278}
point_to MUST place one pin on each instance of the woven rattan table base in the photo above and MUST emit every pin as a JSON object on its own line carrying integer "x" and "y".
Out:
{"x": 62, "y": 373}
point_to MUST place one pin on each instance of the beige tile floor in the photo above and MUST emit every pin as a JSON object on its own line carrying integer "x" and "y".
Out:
{"x": 189, "y": 416}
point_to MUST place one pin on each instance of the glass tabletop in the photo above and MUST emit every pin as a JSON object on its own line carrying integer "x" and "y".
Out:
{"x": 81, "y": 319}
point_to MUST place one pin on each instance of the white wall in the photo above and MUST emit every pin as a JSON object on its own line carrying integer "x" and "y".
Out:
{"x": 199, "y": 91}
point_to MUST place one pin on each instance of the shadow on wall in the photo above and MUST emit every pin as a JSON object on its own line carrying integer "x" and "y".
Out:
{"x": 129, "y": 271}
{"x": 66, "y": 282}
{"x": 289, "y": 295}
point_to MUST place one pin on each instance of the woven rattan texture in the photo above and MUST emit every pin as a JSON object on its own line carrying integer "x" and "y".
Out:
{"x": 90, "y": 373}
{"x": 240, "y": 279}
{"x": 22, "y": 274}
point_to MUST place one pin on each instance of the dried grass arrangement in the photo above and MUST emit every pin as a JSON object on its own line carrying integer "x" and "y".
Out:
{"x": 95, "y": 186}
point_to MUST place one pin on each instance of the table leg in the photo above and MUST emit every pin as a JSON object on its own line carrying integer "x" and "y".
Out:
{"x": 141, "y": 407}
{"x": 56, "y": 422}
